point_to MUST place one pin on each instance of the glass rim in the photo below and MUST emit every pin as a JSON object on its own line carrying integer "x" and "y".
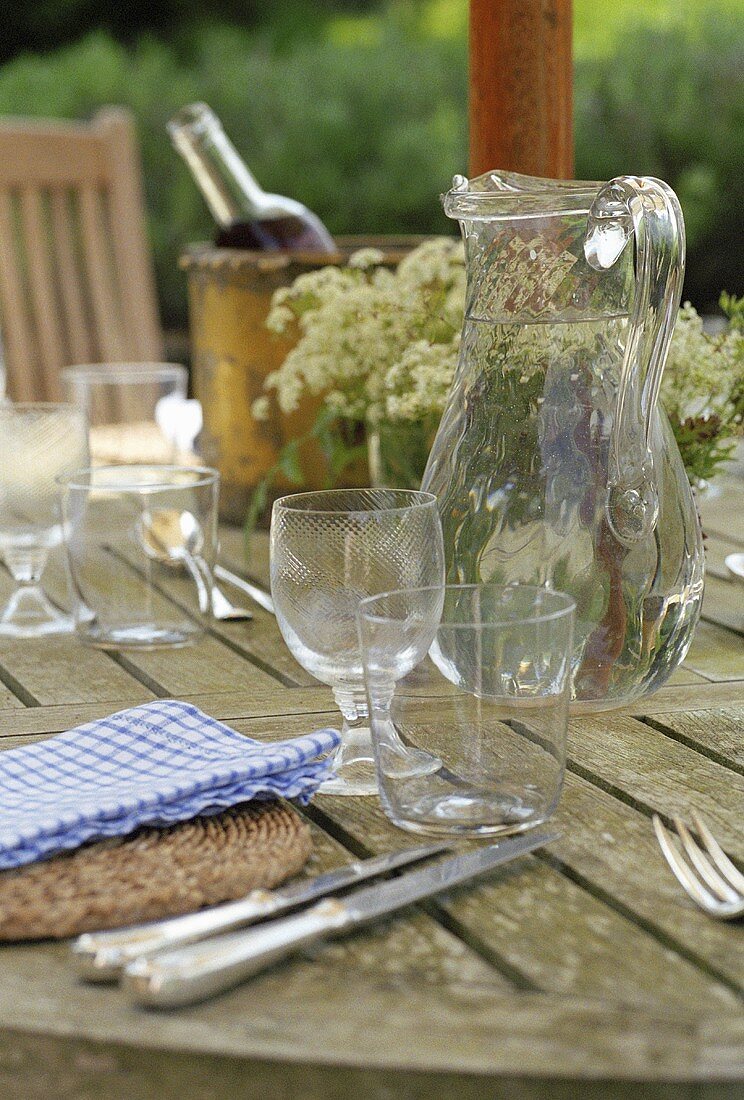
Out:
{"x": 134, "y": 371}
{"x": 417, "y": 499}
{"x": 568, "y": 605}
{"x": 201, "y": 476}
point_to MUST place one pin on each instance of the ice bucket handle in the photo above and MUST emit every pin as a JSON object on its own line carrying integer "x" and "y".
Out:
{"x": 649, "y": 210}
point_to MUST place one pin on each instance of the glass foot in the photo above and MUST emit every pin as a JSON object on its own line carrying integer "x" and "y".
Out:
{"x": 467, "y": 812}
{"x": 29, "y": 614}
{"x": 355, "y": 779}
{"x": 145, "y": 636}
{"x": 353, "y": 764}
{"x": 399, "y": 760}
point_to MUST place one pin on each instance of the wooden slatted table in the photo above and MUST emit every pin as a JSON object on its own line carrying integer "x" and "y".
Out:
{"x": 582, "y": 970}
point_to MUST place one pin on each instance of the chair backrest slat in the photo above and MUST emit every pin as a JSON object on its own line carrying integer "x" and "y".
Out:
{"x": 107, "y": 320}
{"x": 128, "y": 237}
{"x": 42, "y": 292}
{"x": 18, "y": 342}
{"x": 68, "y": 270}
{"x": 50, "y": 153}
{"x": 76, "y": 278}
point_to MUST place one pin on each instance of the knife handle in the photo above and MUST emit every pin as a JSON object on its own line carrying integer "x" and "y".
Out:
{"x": 193, "y": 973}
{"x": 101, "y": 956}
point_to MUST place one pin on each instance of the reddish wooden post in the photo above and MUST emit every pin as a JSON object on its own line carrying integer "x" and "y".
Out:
{"x": 520, "y": 87}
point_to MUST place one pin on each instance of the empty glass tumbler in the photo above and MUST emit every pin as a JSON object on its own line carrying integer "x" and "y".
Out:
{"x": 329, "y": 550}
{"x": 141, "y": 543}
{"x": 37, "y": 443}
{"x": 138, "y": 412}
{"x": 486, "y": 694}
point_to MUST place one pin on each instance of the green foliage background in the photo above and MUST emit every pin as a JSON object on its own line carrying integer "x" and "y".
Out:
{"x": 361, "y": 114}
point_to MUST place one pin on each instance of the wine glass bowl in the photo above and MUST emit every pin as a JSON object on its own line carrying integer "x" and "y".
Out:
{"x": 38, "y": 443}
{"x": 330, "y": 550}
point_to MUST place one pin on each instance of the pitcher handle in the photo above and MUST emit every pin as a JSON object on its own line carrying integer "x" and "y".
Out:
{"x": 648, "y": 209}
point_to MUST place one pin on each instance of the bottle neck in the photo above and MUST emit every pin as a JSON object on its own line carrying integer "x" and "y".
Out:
{"x": 230, "y": 190}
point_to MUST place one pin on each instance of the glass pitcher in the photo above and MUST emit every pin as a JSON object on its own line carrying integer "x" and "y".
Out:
{"x": 553, "y": 463}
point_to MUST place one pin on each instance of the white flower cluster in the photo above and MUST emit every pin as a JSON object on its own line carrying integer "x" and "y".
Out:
{"x": 378, "y": 344}
{"x": 704, "y": 373}
{"x": 382, "y": 344}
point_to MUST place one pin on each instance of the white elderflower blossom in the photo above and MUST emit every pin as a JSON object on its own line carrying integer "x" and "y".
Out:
{"x": 418, "y": 383}
{"x": 702, "y": 371}
{"x": 703, "y": 389}
{"x": 380, "y": 344}
{"x": 279, "y": 319}
{"x": 359, "y": 322}
{"x": 366, "y": 257}
{"x": 261, "y": 408}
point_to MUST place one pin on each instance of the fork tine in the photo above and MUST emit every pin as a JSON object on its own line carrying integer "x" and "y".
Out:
{"x": 733, "y": 876}
{"x": 681, "y": 870}
{"x": 707, "y": 872}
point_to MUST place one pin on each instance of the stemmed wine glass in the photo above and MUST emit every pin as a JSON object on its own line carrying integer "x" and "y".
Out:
{"x": 38, "y": 442}
{"x": 330, "y": 550}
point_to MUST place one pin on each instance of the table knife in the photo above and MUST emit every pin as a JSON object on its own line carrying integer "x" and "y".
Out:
{"x": 258, "y": 595}
{"x": 101, "y": 956}
{"x": 194, "y": 973}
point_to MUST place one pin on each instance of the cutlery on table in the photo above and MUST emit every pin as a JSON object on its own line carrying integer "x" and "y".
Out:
{"x": 735, "y": 565}
{"x": 175, "y": 538}
{"x": 704, "y": 871}
{"x": 225, "y": 611}
{"x": 190, "y": 974}
{"x": 258, "y": 595}
{"x": 101, "y": 956}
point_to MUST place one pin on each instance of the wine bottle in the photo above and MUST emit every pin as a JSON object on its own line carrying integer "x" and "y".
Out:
{"x": 246, "y": 215}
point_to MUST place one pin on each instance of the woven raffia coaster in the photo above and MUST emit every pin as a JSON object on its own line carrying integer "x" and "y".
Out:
{"x": 154, "y": 873}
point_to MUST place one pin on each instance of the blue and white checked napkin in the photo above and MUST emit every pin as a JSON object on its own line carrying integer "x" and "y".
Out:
{"x": 155, "y": 764}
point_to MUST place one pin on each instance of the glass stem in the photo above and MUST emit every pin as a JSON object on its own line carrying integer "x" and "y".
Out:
{"x": 28, "y": 613}
{"x": 26, "y": 565}
{"x": 356, "y": 741}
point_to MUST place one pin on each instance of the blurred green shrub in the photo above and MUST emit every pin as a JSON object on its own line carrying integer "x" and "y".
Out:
{"x": 42, "y": 25}
{"x": 367, "y": 137}
{"x": 670, "y": 103}
{"x": 369, "y": 133}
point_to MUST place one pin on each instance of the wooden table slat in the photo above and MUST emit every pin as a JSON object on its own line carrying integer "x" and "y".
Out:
{"x": 555, "y": 934}
{"x": 59, "y": 670}
{"x": 716, "y": 652}
{"x": 717, "y": 732}
{"x": 647, "y": 768}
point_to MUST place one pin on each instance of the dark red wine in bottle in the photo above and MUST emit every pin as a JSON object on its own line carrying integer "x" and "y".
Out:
{"x": 246, "y": 215}
{"x": 274, "y": 234}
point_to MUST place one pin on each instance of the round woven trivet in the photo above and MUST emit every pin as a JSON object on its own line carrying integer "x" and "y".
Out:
{"x": 154, "y": 873}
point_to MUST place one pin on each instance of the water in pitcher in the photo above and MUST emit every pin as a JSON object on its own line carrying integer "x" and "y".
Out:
{"x": 523, "y": 496}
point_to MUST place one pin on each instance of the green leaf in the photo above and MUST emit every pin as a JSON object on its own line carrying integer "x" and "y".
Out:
{"x": 256, "y": 507}
{"x": 289, "y": 462}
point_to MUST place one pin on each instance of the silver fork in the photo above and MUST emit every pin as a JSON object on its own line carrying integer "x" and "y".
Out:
{"x": 705, "y": 872}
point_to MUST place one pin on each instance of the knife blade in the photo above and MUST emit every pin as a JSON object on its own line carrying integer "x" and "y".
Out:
{"x": 258, "y": 595}
{"x": 101, "y": 956}
{"x": 201, "y": 970}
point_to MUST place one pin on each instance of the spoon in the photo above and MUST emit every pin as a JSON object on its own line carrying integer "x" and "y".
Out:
{"x": 735, "y": 565}
{"x": 175, "y": 538}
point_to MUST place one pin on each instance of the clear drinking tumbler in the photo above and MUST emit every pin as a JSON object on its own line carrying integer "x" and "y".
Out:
{"x": 141, "y": 544}
{"x": 486, "y": 694}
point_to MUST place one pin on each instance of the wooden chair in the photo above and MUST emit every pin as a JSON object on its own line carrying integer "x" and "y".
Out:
{"x": 76, "y": 278}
